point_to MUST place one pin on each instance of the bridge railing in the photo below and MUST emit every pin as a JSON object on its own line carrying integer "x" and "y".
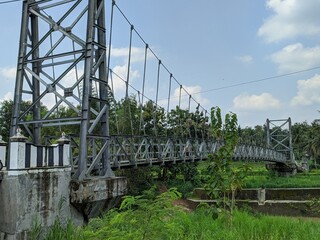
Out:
{"x": 134, "y": 151}
{"x": 128, "y": 151}
{"x": 258, "y": 153}
{"x": 25, "y": 155}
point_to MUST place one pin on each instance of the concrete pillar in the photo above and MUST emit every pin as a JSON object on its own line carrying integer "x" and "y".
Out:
{"x": 3, "y": 150}
{"x": 261, "y": 196}
{"x": 64, "y": 142}
{"x": 17, "y": 151}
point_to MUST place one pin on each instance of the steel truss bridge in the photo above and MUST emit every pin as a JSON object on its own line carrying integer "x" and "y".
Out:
{"x": 134, "y": 151}
{"x": 65, "y": 54}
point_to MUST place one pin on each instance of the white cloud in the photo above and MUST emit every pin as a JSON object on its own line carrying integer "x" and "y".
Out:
{"x": 291, "y": 18}
{"x": 262, "y": 102}
{"x": 72, "y": 77}
{"x": 8, "y": 73}
{"x": 296, "y": 57}
{"x": 137, "y": 54}
{"x": 308, "y": 92}
{"x": 120, "y": 77}
{"x": 245, "y": 59}
{"x": 194, "y": 91}
{"x": 7, "y": 96}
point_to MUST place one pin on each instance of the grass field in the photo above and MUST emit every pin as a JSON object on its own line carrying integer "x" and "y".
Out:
{"x": 198, "y": 225}
{"x": 259, "y": 176}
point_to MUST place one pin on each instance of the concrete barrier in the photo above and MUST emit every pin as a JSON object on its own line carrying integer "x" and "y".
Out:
{"x": 35, "y": 188}
{"x": 24, "y": 155}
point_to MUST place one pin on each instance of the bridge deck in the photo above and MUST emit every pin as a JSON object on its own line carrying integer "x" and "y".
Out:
{"x": 124, "y": 152}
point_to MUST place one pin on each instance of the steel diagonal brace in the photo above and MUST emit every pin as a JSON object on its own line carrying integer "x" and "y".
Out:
{"x": 121, "y": 148}
{"x": 96, "y": 159}
{"x": 52, "y": 29}
{"x": 62, "y": 87}
{"x": 139, "y": 154}
{"x": 56, "y": 4}
{"x": 59, "y": 28}
{"x": 49, "y": 88}
{"x": 186, "y": 149}
{"x": 96, "y": 121}
{"x": 167, "y": 150}
{"x": 280, "y": 143}
{"x": 202, "y": 149}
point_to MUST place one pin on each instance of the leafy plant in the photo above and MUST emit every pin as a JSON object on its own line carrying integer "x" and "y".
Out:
{"x": 222, "y": 180}
{"x": 140, "y": 217}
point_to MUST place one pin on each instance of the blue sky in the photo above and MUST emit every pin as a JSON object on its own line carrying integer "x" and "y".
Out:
{"x": 210, "y": 45}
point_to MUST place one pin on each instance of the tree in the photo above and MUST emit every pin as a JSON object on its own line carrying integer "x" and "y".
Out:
{"x": 300, "y": 138}
{"x": 221, "y": 178}
{"x": 6, "y": 115}
{"x": 313, "y": 141}
{"x": 6, "y": 107}
{"x": 5, "y": 119}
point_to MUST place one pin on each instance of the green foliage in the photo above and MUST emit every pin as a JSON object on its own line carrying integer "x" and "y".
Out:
{"x": 6, "y": 108}
{"x": 260, "y": 177}
{"x": 182, "y": 123}
{"x": 201, "y": 224}
{"x": 139, "y": 179}
{"x": 187, "y": 172}
{"x": 184, "y": 187}
{"x": 140, "y": 218}
{"x": 255, "y": 136}
{"x": 221, "y": 179}
{"x": 35, "y": 232}
{"x": 59, "y": 232}
{"x": 153, "y": 216}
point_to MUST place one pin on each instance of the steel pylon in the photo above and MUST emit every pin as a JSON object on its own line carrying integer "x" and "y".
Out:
{"x": 279, "y": 137}
{"x": 62, "y": 63}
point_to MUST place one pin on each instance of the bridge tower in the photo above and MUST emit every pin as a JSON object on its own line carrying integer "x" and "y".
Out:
{"x": 62, "y": 63}
{"x": 61, "y": 89}
{"x": 279, "y": 137}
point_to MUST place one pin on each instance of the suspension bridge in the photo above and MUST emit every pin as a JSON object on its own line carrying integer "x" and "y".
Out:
{"x": 115, "y": 116}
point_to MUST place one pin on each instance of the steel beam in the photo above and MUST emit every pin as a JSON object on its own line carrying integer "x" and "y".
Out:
{"x": 279, "y": 137}
{"x": 56, "y": 61}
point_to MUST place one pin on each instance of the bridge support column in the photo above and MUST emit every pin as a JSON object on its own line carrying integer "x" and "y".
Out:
{"x": 35, "y": 188}
{"x": 283, "y": 169}
{"x": 93, "y": 196}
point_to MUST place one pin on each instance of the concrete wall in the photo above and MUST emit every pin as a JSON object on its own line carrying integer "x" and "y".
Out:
{"x": 95, "y": 196}
{"x": 35, "y": 189}
{"x": 35, "y": 196}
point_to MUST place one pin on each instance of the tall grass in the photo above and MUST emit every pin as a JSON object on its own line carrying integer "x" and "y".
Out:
{"x": 178, "y": 224}
{"x": 245, "y": 227}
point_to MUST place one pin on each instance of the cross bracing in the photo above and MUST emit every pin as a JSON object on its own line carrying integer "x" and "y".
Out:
{"x": 134, "y": 151}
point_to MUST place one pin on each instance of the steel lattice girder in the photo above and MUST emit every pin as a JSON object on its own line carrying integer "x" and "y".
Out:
{"x": 279, "y": 136}
{"x": 132, "y": 151}
{"x": 62, "y": 63}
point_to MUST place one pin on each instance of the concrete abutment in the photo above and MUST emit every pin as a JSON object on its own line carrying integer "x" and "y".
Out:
{"x": 36, "y": 188}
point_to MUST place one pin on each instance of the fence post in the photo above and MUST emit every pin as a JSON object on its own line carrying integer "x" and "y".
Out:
{"x": 3, "y": 150}
{"x": 17, "y": 151}
{"x": 64, "y": 150}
